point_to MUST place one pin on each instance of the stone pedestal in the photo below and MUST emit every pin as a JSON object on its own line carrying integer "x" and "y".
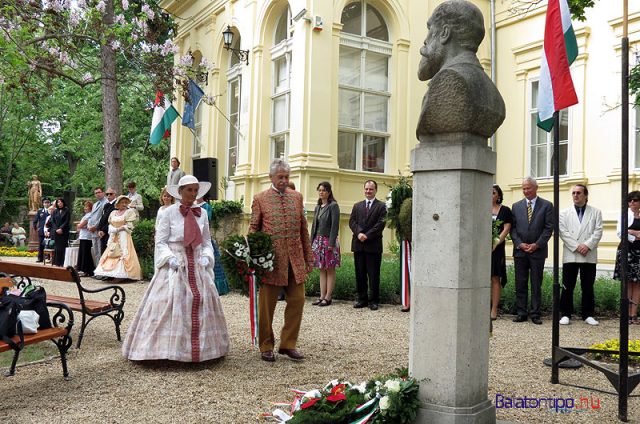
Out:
{"x": 34, "y": 241}
{"x": 449, "y": 334}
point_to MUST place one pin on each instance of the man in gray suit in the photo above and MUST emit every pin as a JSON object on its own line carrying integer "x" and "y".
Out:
{"x": 531, "y": 230}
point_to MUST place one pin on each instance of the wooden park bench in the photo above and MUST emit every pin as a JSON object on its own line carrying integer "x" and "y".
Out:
{"x": 60, "y": 335}
{"x": 113, "y": 308}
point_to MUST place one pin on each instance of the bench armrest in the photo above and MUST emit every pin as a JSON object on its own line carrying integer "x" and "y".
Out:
{"x": 62, "y": 315}
{"x": 117, "y": 298}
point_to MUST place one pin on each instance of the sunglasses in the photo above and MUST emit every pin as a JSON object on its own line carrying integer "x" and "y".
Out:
{"x": 634, "y": 200}
{"x": 110, "y": 194}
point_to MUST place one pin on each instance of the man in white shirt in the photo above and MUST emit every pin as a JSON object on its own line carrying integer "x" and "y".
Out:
{"x": 580, "y": 230}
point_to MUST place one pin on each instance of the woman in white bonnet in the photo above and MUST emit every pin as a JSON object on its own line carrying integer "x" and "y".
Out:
{"x": 180, "y": 317}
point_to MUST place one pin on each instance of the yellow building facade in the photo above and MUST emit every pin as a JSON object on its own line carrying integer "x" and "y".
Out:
{"x": 331, "y": 86}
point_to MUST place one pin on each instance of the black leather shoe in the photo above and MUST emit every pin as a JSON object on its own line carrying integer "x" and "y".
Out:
{"x": 268, "y": 356}
{"x": 373, "y": 306}
{"x": 291, "y": 353}
{"x": 536, "y": 321}
{"x": 520, "y": 318}
{"x": 360, "y": 304}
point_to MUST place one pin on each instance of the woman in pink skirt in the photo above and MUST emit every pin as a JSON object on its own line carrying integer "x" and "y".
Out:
{"x": 325, "y": 245}
{"x": 180, "y": 317}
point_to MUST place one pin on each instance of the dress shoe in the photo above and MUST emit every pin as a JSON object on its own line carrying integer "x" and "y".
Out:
{"x": 360, "y": 304}
{"x": 565, "y": 320}
{"x": 268, "y": 356}
{"x": 536, "y": 321}
{"x": 405, "y": 309}
{"x": 40, "y": 260}
{"x": 373, "y": 306}
{"x": 520, "y": 318}
{"x": 291, "y": 353}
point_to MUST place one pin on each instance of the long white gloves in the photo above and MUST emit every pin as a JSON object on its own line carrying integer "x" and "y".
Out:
{"x": 173, "y": 263}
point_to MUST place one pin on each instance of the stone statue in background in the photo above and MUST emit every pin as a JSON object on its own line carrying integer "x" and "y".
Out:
{"x": 35, "y": 193}
{"x": 461, "y": 97}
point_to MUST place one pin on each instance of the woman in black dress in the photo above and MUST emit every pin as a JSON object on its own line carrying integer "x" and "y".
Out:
{"x": 633, "y": 255}
{"x": 502, "y": 223}
{"x": 60, "y": 224}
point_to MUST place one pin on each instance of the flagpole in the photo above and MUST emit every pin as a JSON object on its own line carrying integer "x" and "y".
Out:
{"x": 555, "y": 315}
{"x": 623, "y": 389}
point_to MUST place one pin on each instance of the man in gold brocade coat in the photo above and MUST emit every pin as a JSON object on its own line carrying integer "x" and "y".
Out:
{"x": 279, "y": 212}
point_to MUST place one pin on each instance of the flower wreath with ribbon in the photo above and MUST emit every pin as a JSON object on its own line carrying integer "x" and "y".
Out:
{"x": 245, "y": 260}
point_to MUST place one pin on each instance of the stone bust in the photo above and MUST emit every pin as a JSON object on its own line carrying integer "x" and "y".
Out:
{"x": 461, "y": 97}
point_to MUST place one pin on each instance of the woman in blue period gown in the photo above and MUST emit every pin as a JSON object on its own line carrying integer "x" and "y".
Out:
{"x": 180, "y": 317}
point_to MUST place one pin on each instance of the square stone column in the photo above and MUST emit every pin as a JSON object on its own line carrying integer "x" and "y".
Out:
{"x": 451, "y": 267}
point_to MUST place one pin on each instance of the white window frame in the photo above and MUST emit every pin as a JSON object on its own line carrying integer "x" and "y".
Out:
{"x": 234, "y": 75}
{"x": 196, "y": 145}
{"x": 532, "y": 116}
{"x": 366, "y": 44}
{"x": 282, "y": 50}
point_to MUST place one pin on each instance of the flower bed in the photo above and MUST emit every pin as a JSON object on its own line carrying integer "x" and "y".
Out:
{"x": 12, "y": 251}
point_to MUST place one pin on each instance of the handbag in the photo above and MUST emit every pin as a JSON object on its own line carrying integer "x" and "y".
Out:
{"x": 114, "y": 250}
{"x": 9, "y": 324}
{"x": 35, "y": 300}
{"x": 30, "y": 321}
{"x": 49, "y": 243}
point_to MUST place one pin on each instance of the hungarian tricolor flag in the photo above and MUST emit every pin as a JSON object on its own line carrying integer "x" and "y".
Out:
{"x": 163, "y": 117}
{"x": 556, "y": 90}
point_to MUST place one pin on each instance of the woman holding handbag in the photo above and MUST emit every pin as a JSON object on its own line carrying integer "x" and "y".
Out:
{"x": 120, "y": 259}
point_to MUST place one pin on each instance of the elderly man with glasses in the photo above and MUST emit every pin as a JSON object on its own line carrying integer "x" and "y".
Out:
{"x": 580, "y": 229}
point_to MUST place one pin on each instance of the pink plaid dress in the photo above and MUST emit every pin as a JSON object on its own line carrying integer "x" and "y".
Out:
{"x": 179, "y": 318}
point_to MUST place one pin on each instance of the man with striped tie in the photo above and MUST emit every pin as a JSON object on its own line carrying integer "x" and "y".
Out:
{"x": 531, "y": 230}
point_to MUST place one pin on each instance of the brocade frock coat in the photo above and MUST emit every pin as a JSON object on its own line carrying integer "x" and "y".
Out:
{"x": 282, "y": 216}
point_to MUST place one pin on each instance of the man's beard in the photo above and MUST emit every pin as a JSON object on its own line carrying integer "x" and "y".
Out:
{"x": 431, "y": 62}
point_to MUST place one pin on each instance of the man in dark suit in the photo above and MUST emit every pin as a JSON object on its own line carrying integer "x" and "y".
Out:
{"x": 38, "y": 225}
{"x": 103, "y": 225}
{"x": 366, "y": 223}
{"x": 530, "y": 232}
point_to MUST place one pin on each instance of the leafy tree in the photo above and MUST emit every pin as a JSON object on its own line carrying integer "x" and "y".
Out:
{"x": 86, "y": 42}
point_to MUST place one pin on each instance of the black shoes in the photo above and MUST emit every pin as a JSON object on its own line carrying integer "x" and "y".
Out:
{"x": 360, "y": 304}
{"x": 536, "y": 321}
{"x": 373, "y": 306}
{"x": 520, "y": 318}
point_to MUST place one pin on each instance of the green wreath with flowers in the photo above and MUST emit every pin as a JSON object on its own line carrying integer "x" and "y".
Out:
{"x": 399, "y": 205}
{"x": 242, "y": 256}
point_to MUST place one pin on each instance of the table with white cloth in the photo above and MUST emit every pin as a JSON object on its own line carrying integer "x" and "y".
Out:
{"x": 71, "y": 257}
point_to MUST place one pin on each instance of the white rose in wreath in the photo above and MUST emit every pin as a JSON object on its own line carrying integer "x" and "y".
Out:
{"x": 385, "y": 403}
{"x": 393, "y": 386}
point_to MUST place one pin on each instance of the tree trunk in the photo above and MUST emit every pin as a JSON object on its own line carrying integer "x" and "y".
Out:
{"x": 110, "y": 109}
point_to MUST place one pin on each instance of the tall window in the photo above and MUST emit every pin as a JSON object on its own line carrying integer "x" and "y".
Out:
{"x": 234, "y": 85}
{"x": 541, "y": 157}
{"x": 197, "y": 133}
{"x": 363, "y": 91}
{"x": 281, "y": 94}
{"x": 635, "y": 135}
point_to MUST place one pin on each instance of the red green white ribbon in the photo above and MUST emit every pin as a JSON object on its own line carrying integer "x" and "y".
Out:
{"x": 363, "y": 420}
{"x": 405, "y": 271}
{"x": 253, "y": 307}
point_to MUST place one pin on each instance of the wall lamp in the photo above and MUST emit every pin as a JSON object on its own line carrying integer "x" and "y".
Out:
{"x": 227, "y": 37}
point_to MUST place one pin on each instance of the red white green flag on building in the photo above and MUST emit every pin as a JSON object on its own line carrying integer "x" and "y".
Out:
{"x": 556, "y": 90}
{"x": 163, "y": 117}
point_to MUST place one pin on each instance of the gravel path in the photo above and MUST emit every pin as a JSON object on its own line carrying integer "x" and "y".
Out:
{"x": 339, "y": 341}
